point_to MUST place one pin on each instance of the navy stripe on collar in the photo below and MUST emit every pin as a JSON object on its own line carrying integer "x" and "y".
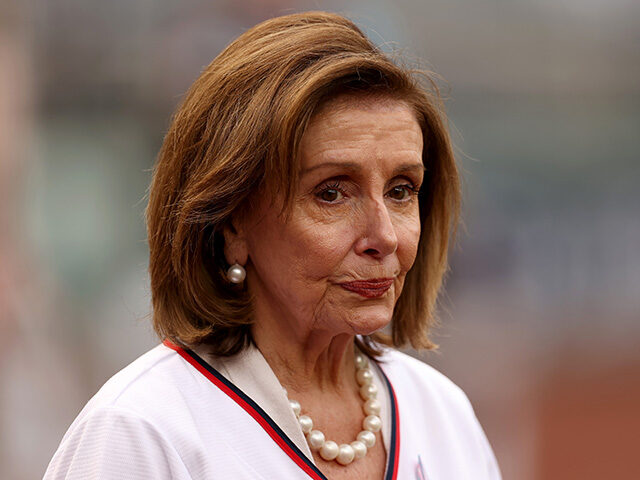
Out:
{"x": 394, "y": 450}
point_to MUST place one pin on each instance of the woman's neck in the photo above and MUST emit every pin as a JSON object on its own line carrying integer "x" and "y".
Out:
{"x": 307, "y": 361}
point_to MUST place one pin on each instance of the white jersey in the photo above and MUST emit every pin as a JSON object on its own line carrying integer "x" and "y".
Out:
{"x": 171, "y": 414}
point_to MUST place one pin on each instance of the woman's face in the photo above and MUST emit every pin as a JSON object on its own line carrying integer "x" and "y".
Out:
{"x": 338, "y": 263}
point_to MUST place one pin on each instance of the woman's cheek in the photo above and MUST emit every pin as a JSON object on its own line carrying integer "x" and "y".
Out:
{"x": 408, "y": 241}
{"x": 318, "y": 243}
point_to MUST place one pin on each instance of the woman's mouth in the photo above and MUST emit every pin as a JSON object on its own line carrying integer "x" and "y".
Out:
{"x": 369, "y": 288}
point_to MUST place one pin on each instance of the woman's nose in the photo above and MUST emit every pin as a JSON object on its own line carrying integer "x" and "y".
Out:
{"x": 378, "y": 237}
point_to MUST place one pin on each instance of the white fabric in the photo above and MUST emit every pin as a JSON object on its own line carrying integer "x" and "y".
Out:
{"x": 160, "y": 418}
{"x": 437, "y": 424}
{"x": 250, "y": 372}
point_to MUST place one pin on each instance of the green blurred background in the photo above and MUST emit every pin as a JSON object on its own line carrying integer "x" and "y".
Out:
{"x": 541, "y": 314}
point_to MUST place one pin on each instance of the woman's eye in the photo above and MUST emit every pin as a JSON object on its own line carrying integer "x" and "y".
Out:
{"x": 401, "y": 192}
{"x": 330, "y": 195}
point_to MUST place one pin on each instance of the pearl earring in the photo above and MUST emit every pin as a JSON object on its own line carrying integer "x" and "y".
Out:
{"x": 236, "y": 273}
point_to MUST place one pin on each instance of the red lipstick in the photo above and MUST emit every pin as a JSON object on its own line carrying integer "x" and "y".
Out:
{"x": 373, "y": 288}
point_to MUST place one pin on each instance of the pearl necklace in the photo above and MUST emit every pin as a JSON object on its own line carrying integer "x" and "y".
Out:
{"x": 366, "y": 439}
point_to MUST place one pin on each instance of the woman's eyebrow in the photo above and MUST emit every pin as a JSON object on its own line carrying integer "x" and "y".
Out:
{"x": 409, "y": 167}
{"x": 415, "y": 167}
{"x": 351, "y": 166}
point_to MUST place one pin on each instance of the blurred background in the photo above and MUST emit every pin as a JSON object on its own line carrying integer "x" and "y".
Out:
{"x": 541, "y": 315}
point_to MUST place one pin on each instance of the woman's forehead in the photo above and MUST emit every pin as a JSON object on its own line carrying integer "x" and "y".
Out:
{"x": 348, "y": 128}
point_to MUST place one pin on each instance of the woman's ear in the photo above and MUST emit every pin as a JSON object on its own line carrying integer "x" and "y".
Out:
{"x": 235, "y": 243}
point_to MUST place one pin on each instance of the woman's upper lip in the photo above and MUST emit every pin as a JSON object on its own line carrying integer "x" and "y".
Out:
{"x": 370, "y": 283}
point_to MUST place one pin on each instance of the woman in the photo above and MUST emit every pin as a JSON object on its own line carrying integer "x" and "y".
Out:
{"x": 302, "y": 201}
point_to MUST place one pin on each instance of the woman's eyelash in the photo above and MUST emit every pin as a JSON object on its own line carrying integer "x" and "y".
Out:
{"x": 407, "y": 189}
{"x": 330, "y": 186}
{"x": 413, "y": 188}
{"x": 334, "y": 185}
{"x": 409, "y": 186}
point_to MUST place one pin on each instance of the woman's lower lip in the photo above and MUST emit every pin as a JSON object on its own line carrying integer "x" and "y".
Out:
{"x": 368, "y": 289}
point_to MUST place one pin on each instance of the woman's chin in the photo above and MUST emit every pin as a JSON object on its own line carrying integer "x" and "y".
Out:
{"x": 368, "y": 324}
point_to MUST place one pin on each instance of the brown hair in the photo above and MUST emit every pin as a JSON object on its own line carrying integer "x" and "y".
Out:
{"x": 238, "y": 131}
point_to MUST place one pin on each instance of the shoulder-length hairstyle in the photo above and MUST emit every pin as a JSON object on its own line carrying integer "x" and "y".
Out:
{"x": 238, "y": 132}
